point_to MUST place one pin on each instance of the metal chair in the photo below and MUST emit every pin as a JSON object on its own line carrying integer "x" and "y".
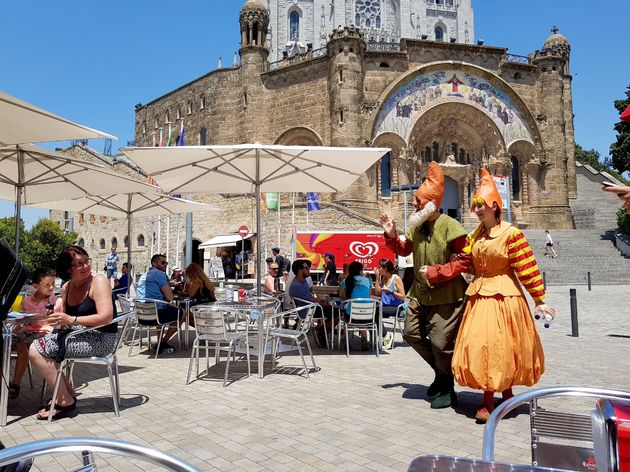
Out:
{"x": 110, "y": 359}
{"x": 147, "y": 317}
{"x": 317, "y": 316}
{"x": 88, "y": 446}
{"x": 296, "y": 336}
{"x": 399, "y": 321}
{"x": 211, "y": 327}
{"x": 362, "y": 318}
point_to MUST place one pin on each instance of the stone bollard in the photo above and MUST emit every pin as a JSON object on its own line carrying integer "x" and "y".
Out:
{"x": 588, "y": 280}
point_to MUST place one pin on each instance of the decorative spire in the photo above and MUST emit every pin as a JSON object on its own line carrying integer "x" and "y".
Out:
{"x": 554, "y": 29}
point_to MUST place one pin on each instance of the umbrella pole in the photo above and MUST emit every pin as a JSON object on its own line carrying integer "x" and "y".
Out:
{"x": 130, "y": 265}
{"x": 18, "y": 199}
{"x": 261, "y": 343}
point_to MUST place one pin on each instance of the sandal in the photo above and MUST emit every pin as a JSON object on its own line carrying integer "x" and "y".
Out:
{"x": 60, "y": 412}
{"x": 482, "y": 414}
{"x": 14, "y": 391}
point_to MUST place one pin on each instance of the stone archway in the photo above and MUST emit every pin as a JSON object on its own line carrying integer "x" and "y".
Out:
{"x": 300, "y": 136}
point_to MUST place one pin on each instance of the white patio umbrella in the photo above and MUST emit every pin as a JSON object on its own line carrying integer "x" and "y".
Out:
{"x": 31, "y": 174}
{"x": 147, "y": 203}
{"x": 254, "y": 168}
{"x": 21, "y": 123}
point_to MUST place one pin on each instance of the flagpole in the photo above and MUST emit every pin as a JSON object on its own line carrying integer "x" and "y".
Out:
{"x": 159, "y": 235}
{"x": 279, "y": 220}
{"x": 177, "y": 251}
{"x": 168, "y": 237}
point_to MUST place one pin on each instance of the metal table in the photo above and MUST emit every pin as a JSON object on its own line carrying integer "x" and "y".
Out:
{"x": 8, "y": 326}
{"x": 255, "y": 309}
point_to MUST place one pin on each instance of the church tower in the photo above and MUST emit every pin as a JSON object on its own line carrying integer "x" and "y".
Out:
{"x": 296, "y": 26}
{"x": 254, "y": 20}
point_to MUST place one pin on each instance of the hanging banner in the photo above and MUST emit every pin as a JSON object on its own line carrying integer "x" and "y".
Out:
{"x": 272, "y": 201}
{"x": 312, "y": 201}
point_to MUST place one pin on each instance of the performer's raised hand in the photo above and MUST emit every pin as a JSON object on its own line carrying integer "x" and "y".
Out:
{"x": 388, "y": 224}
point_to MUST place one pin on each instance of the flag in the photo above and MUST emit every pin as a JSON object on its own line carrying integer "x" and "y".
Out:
{"x": 154, "y": 139}
{"x": 271, "y": 201}
{"x": 169, "y": 141}
{"x": 180, "y": 140}
{"x": 263, "y": 202}
{"x": 312, "y": 201}
{"x": 161, "y": 141}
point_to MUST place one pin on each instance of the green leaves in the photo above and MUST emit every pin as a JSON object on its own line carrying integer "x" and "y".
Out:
{"x": 39, "y": 246}
{"x": 620, "y": 150}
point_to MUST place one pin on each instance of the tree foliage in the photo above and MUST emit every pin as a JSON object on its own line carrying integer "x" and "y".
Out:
{"x": 620, "y": 150}
{"x": 39, "y": 246}
{"x": 623, "y": 221}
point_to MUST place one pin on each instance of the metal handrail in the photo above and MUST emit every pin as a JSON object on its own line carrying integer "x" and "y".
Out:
{"x": 523, "y": 398}
{"x": 104, "y": 446}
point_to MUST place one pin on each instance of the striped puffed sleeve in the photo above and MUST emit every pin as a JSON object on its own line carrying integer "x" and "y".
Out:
{"x": 523, "y": 262}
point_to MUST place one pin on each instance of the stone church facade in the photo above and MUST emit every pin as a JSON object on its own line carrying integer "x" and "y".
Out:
{"x": 428, "y": 98}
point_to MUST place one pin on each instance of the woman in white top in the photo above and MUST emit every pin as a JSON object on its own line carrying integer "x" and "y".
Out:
{"x": 549, "y": 250}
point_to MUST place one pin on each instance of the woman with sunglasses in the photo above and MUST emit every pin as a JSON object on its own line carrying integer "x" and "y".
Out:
{"x": 390, "y": 288}
{"x": 87, "y": 302}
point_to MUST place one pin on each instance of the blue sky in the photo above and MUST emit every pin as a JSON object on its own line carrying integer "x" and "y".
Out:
{"x": 92, "y": 62}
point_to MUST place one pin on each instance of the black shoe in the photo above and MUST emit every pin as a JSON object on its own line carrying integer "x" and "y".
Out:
{"x": 365, "y": 344}
{"x": 435, "y": 387}
{"x": 165, "y": 348}
{"x": 14, "y": 391}
{"x": 445, "y": 400}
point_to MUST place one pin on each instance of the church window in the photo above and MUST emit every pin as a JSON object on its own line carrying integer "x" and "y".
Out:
{"x": 439, "y": 2}
{"x": 101, "y": 243}
{"x": 157, "y": 124}
{"x": 516, "y": 179}
{"x": 294, "y": 26}
{"x": 439, "y": 33}
{"x": 202, "y": 102}
{"x": 114, "y": 242}
{"x": 202, "y": 137}
{"x": 141, "y": 240}
{"x": 81, "y": 243}
{"x": 386, "y": 176}
{"x": 179, "y": 113}
{"x": 449, "y": 3}
{"x": 190, "y": 106}
{"x": 367, "y": 13}
{"x": 144, "y": 127}
{"x": 167, "y": 117}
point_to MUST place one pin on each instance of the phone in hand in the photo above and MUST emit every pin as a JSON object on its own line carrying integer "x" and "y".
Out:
{"x": 609, "y": 184}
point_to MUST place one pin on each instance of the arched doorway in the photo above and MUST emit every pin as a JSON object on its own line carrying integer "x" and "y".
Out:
{"x": 450, "y": 203}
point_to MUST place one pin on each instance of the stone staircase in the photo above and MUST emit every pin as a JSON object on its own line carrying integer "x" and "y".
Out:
{"x": 579, "y": 252}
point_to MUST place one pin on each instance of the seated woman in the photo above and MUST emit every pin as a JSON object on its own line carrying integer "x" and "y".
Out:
{"x": 390, "y": 288}
{"x": 199, "y": 287}
{"x": 87, "y": 302}
{"x": 356, "y": 285}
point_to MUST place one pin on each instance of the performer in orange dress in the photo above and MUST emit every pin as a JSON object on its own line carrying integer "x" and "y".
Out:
{"x": 497, "y": 345}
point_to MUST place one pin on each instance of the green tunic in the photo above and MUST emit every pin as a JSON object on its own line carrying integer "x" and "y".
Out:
{"x": 430, "y": 247}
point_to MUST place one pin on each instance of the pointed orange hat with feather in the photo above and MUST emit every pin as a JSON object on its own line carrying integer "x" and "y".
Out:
{"x": 487, "y": 192}
{"x": 432, "y": 189}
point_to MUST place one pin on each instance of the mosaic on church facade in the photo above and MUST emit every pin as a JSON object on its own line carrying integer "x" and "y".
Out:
{"x": 408, "y": 103}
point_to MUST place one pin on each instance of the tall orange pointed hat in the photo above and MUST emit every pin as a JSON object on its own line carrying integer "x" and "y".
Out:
{"x": 433, "y": 186}
{"x": 488, "y": 190}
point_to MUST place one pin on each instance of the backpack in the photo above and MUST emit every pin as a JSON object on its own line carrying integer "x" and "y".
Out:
{"x": 13, "y": 274}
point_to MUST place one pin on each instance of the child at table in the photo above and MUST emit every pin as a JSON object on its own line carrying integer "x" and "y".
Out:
{"x": 44, "y": 285}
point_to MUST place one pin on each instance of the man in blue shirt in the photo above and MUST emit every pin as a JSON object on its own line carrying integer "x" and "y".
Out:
{"x": 300, "y": 292}
{"x": 154, "y": 285}
{"x": 111, "y": 264}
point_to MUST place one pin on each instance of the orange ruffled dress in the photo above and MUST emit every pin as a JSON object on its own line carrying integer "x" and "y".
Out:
{"x": 497, "y": 345}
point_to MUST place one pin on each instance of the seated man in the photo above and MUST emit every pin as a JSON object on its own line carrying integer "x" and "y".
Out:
{"x": 154, "y": 284}
{"x": 300, "y": 292}
{"x": 271, "y": 285}
{"x": 121, "y": 286}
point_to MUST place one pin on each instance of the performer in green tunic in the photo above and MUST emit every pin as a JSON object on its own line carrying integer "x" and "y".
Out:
{"x": 434, "y": 310}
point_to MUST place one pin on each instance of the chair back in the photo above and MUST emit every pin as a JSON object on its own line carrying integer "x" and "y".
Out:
{"x": 209, "y": 322}
{"x": 362, "y": 310}
{"x": 305, "y": 324}
{"x": 124, "y": 318}
{"x": 146, "y": 311}
{"x": 125, "y": 302}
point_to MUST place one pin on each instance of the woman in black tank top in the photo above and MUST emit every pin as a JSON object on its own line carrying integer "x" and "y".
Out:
{"x": 87, "y": 302}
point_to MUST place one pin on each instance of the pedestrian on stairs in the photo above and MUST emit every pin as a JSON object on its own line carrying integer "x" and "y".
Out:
{"x": 549, "y": 250}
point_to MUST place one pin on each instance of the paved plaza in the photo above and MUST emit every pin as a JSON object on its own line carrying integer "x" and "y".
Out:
{"x": 357, "y": 413}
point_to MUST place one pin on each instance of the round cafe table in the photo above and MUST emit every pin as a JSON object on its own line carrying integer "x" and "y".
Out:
{"x": 255, "y": 309}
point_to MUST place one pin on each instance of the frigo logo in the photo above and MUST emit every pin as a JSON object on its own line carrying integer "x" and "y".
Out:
{"x": 363, "y": 250}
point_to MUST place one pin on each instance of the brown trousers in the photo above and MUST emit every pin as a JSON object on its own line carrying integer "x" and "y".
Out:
{"x": 431, "y": 330}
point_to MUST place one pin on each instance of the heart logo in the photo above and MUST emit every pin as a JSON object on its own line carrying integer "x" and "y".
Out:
{"x": 363, "y": 250}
